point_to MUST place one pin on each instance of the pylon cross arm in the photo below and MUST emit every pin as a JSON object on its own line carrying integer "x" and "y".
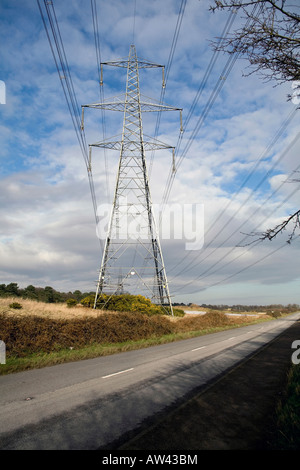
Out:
{"x": 121, "y": 106}
{"x": 119, "y": 144}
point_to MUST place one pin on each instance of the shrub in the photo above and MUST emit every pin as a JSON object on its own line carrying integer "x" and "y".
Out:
{"x": 130, "y": 303}
{"x": 71, "y": 303}
{"x": 126, "y": 303}
{"x": 15, "y": 305}
{"x": 273, "y": 313}
{"x": 88, "y": 301}
{"x": 177, "y": 312}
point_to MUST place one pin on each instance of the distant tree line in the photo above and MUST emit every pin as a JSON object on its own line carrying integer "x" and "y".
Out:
{"x": 43, "y": 294}
{"x": 49, "y": 295}
{"x": 254, "y": 308}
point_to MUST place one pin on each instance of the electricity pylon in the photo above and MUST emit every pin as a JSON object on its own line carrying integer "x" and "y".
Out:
{"x": 132, "y": 258}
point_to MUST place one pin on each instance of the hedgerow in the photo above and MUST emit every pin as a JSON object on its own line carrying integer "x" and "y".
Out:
{"x": 25, "y": 335}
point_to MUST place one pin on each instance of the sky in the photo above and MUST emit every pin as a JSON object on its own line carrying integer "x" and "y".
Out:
{"x": 234, "y": 160}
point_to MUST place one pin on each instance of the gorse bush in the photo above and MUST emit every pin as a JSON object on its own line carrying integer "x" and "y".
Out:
{"x": 71, "y": 302}
{"x": 15, "y": 306}
{"x": 88, "y": 301}
{"x": 128, "y": 303}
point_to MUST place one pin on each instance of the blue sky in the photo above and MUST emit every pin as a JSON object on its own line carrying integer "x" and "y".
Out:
{"x": 236, "y": 164}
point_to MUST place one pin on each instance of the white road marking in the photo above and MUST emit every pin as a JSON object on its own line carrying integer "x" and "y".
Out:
{"x": 116, "y": 373}
{"x": 197, "y": 349}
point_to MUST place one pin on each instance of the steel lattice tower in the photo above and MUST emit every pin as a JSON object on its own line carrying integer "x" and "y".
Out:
{"x": 132, "y": 258}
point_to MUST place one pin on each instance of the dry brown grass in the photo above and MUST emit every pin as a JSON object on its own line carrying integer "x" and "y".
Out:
{"x": 210, "y": 320}
{"x": 40, "y": 309}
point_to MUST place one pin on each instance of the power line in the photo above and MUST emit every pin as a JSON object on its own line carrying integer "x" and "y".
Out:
{"x": 219, "y": 85}
{"x": 101, "y": 90}
{"x": 208, "y": 71}
{"x": 213, "y": 96}
{"x": 63, "y": 71}
{"x": 134, "y": 16}
{"x": 207, "y": 108}
{"x": 168, "y": 67}
{"x": 243, "y": 269}
{"x": 278, "y": 134}
{"x": 224, "y": 75}
{"x": 205, "y": 275}
{"x": 265, "y": 153}
{"x": 61, "y": 63}
{"x": 245, "y": 237}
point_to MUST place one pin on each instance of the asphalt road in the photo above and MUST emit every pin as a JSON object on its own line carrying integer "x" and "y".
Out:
{"x": 88, "y": 404}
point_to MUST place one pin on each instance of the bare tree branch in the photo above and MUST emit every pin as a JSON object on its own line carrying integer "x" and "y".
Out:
{"x": 294, "y": 219}
{"x": 269, "y": 38}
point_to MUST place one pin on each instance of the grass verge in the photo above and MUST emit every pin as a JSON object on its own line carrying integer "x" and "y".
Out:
{"x": 287, "y": 436}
